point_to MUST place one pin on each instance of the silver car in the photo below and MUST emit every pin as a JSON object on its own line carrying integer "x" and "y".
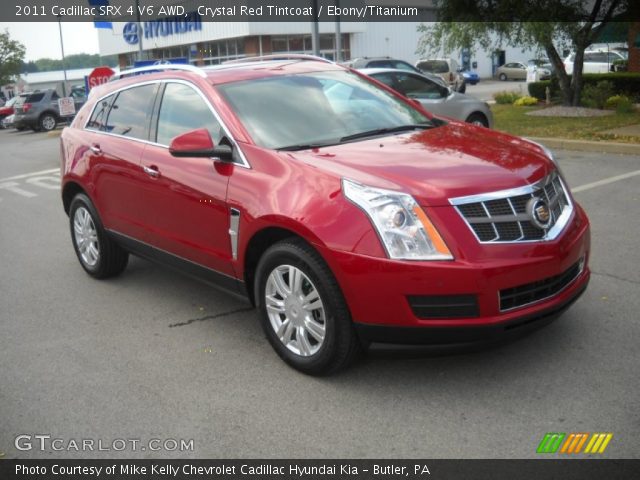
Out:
{"x": 434, "y": 97}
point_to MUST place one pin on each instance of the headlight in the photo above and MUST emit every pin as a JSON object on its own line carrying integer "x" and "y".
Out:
{"x": 405, "y": 230}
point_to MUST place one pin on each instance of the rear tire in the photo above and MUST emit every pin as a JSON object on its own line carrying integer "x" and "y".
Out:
{"x": 47, "y": 122}
{"x": 302, "y": 309}
{"x": 503, "y": 77}
{"x": 99, "y": 255}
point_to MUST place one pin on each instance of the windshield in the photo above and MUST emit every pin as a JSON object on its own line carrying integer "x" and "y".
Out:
{"x": 316, "y": 109}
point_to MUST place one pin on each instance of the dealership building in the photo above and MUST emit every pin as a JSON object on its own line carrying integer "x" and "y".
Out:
{"x": 203, "y": 42}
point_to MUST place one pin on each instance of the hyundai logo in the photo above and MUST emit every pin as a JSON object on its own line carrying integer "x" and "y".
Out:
{"x": 539, "y": 212}
{"x": 130, "y": 33}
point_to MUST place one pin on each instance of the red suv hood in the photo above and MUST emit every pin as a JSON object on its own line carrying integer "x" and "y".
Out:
{"x": 434, "y": 165}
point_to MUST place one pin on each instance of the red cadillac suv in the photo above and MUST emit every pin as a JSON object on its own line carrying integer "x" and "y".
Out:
{"x": 343, "y": 211}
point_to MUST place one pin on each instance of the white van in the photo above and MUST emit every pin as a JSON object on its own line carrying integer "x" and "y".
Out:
{"x": 594, "y": 61}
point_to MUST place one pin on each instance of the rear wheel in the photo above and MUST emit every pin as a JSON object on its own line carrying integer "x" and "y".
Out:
{"x": 503, "y": 77}
{"x": 47, "y": 122}
{"x": 478, "y": 119}
{"x": 99, "y": 255}
{"x": 302, "y": 309}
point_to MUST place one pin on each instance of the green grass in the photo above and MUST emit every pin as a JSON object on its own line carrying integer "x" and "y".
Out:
{"x": 514, "y": 120}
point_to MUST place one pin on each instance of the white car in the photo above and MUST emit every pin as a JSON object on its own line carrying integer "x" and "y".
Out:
{"x": 595, "y": 61}
{"x": 433, "y": 96}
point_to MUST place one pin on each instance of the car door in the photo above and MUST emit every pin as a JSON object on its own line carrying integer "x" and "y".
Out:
{"x": 116, "y": 134}
{"x": 185, "y": 198}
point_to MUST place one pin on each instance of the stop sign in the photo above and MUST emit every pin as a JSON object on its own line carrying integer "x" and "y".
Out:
{"x": 99, "y": 76}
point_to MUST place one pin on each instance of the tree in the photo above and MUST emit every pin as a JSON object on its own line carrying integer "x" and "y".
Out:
{"x": 11, "y": 56}
{"x": 576, "y": 25}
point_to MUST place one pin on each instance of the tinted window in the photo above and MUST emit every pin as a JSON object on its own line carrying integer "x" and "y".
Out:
{"x": 182, "y": 110}
{"x": 99, "y": 115}
{"x": 129, "y": 115}
{"x": 379, "y": 64}
{"x": 417, "y": 87}
{"x": 597, "y": 57}
{"x": 387, "y": 78}
{"x": 55, "y": 96}
{"x": 34, "y": 98}
{"x": 400, "y": 65}
{"x": 434, "y": 66}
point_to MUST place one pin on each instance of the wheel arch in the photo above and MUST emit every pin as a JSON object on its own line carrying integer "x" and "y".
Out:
{"x": 259, "y": 242}
{"x": 69, "y": 191}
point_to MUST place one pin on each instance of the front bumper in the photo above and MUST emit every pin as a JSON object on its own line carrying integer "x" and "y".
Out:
{"x": 378, "y": 290}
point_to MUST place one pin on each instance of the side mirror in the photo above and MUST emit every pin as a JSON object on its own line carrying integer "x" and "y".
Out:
{"x": 198, "y": 143}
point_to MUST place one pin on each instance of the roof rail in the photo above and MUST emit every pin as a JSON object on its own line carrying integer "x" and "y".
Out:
{"x": 156, "y": 68}
{"x": 277, "y": 56}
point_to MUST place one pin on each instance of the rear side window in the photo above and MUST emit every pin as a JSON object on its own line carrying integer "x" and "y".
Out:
{"x": 98, "y": 120}
{"x": 34, "y": 98}
{"x": 182, "y": 110}
{"x": 434, "y": 66}
{"x": 130, "y": 112}
{"x": 380, "y": 64}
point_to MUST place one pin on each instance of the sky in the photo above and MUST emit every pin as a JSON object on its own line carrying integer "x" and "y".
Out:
{"x": 42, "y": 39}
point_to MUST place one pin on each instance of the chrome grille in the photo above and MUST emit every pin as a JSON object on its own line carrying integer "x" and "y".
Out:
{"x": 502, "y": 216}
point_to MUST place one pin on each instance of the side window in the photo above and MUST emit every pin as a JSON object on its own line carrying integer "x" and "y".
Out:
{"x": 55, "y": 96}
{"x": 99, "y": 115}
{"x": 387, "y": 79}
{"x": 403, "y": 66}
{"x": 417, "y": 87}
{"x": 183, "y": 109}
{"x": 380, "y": 64}
{"x": 130, "y": 112}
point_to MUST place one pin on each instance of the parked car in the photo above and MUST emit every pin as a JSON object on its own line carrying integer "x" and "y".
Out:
{"x": 343, "y": 211}
{"x": 445, "y": 68}
{"x": 7, "y": 122}
{"x": 388, "y": 62}
{"x": 518, "y": 71}
{"x": 40, "y": 111}
{"x": 434, "y": 97}
{"x": 470, "y": 77}
{"x": 595, "y": 61}
{"x": 7, "y": 109}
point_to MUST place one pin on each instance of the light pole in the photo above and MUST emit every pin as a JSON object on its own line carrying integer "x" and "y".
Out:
{"x": 64, "y": 66}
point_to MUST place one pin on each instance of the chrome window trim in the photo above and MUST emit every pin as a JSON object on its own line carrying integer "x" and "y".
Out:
{"x": 551, "y": 234}
{"x": 244, "y": 163}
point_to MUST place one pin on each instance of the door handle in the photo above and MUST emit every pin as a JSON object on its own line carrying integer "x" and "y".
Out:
{"x": 152, "y": 171}
{"x": 95, "y": 149}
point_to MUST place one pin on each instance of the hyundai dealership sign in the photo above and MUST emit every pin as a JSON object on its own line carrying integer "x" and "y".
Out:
{"x": 162, "y": 27}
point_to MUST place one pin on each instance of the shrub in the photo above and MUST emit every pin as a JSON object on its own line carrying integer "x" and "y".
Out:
{"x": 620, "y": 103}
{"x": 525, "y": 101}
{"x": 595, "y": 96}
{"x": 539, "y": 89}
{"x": 508, "y": 98}
{"x": 624, "y": 83}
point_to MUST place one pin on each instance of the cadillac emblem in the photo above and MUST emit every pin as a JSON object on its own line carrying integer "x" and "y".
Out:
{"x": 538, "y": 211}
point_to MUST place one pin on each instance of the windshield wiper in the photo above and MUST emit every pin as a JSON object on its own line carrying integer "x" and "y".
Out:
{"x": 382, "y": 131}
{"x": 304, "y": 146}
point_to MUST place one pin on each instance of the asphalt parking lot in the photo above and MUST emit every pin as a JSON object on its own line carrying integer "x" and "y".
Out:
{"x": 485, "y": 89}
{"x": 155, "y": 355}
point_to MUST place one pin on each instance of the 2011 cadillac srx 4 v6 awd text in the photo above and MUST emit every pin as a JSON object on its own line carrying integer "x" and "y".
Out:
{"x": 344, "y": 211}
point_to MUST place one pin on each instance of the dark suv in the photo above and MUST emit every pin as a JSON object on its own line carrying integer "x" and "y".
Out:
{"x": 39, "y": 111}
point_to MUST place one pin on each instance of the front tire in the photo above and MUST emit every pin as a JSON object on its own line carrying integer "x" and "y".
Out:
{"x": 302, "y": 309}
{"x": 478, "y": 119}
{"x": 99, "y": 255}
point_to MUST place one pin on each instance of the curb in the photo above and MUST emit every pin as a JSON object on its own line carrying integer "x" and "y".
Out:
{"x": 54, "y": 133}
{"x": 589, "y": 146}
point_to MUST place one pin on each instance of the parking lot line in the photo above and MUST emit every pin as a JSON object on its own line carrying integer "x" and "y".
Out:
{"x": 605, "y": 181}
{"x": 25, "y": 175}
